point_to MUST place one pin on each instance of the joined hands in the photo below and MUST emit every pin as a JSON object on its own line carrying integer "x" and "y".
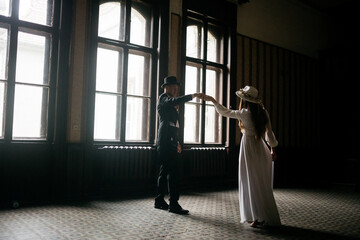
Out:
{"x": 198, "y": 95}
{"x": 204, "y": 97}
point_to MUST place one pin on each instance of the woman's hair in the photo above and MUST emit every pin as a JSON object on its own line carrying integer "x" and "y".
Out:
{"x": 258, "y": 115}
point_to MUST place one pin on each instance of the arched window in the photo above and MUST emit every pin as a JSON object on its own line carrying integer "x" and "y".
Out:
{"x": 110, "y": 18}
{"x": 205, "y": 70}
{"x": 125, "y": 67}
{"x": 138, "y": 28}
{"x": 28, "y": 53}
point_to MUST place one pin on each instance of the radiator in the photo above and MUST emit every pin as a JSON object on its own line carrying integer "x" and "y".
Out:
{"x": 127, "y": 162}
{"x": 206, "y": 161}
{"x": 138, "y": 162}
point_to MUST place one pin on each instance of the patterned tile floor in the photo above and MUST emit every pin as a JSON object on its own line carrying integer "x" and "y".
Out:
{"x": 305, "y": 214}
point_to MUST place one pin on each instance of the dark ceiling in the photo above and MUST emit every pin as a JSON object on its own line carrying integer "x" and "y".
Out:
{"x": 330, "y": 6}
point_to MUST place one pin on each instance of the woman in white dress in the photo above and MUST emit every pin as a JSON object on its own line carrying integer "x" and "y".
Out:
{"x": 257, "y": 203}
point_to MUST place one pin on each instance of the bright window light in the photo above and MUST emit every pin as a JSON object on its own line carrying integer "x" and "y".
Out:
{"x": 194, "y": 39}
{"x": 3, "y": 52}
{"x": 110, "y": 21}
{"x": 31, "y": 101}
{"x": 211, "y": 48}
{"x": 36, "y": 11}
{"x": 138, "y": 28}
{"x": 30, "y": 60}
{"x": 192, "y": 118}
{"x": 136, "y": 78}
{"x": 29, "y": 121}
{"x": 107, "y": 70}
{"x": 137, "y": 119}
{"x": 5, "y": 7}
{"x": 106, "y": 126}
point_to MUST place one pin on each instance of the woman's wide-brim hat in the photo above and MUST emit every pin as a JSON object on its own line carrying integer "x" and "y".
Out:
{"x": 249, "y": 94}
{"x": 170, "y": 80}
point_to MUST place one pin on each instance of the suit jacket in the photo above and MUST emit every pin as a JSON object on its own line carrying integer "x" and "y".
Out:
{"x": 169, "y": 120}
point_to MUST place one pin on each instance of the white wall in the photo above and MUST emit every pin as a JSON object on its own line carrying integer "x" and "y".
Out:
{"x": 285, "y": 23}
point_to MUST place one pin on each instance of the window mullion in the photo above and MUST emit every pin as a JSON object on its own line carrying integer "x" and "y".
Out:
{"x": 205, "y": 41}
{"x": 124, "y": 95}
{"x": 125, "y": 72}
{"x": 10, "y": 89}
{"x": 202, "y": 127}
{"x": 52, "y": 66}
{"x": 119, "y": 106}
{"x": 153, "y": 76}
{"x": 122, "y": 25}
{"x": 225, "y": 83}
{"x": 118, "y": 43}
{"x": 44, "y": 114}
{"x": 127, "y": 21}
{"x": 15, "y": 9}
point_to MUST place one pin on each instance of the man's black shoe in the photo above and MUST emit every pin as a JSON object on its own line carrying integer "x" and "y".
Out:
{"x": 176, "y": 208}
{"x": 161, "y": 204}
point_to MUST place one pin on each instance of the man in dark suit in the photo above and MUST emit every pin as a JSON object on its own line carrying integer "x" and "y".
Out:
{"x": 168, "y": 145}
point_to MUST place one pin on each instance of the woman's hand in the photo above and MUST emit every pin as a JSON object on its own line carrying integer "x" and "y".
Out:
{"x": 273, "y": 154}
{"x": 179, "y": 150}
{"x": 198, "y": 95}
{"x": 209, "y": 98}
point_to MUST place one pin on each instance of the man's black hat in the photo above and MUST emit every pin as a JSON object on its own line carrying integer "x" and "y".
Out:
{"x": 170, "y": 80}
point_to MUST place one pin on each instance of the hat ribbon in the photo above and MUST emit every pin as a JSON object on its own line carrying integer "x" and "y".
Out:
{"x": 246, "y": 94}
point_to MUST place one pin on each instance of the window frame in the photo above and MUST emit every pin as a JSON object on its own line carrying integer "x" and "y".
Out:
{"x": 193, "y": 16}
{"x": 128, "y": 47}
{"x": 15, "y": 25}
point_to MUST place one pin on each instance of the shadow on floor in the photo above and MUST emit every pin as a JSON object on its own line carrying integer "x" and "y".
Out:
{"x": 301, "y": 233}
{"x": 279, "y": 232}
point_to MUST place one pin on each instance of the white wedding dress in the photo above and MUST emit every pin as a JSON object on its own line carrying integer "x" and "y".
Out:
{"x": 256, "y": 196}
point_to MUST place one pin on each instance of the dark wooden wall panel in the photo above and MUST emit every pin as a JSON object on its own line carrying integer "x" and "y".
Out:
{"x": 287, "y": 83}
{"x": 261, "y": 66}
{"x": 280, "y": 110}
{"x": 240, "y": 60}
{"x": 247, "y": 62}
{"x": 240, "y": 74}
{"x": 287, "y": 98}
{"x": 297, "y": 84}
{"x": 292, "y": 105}
{"x": 267, "y": 83}
{"x": 254, "y": 63}
{"x": 272, "y": 106}
{"x": 304, "y": 96}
